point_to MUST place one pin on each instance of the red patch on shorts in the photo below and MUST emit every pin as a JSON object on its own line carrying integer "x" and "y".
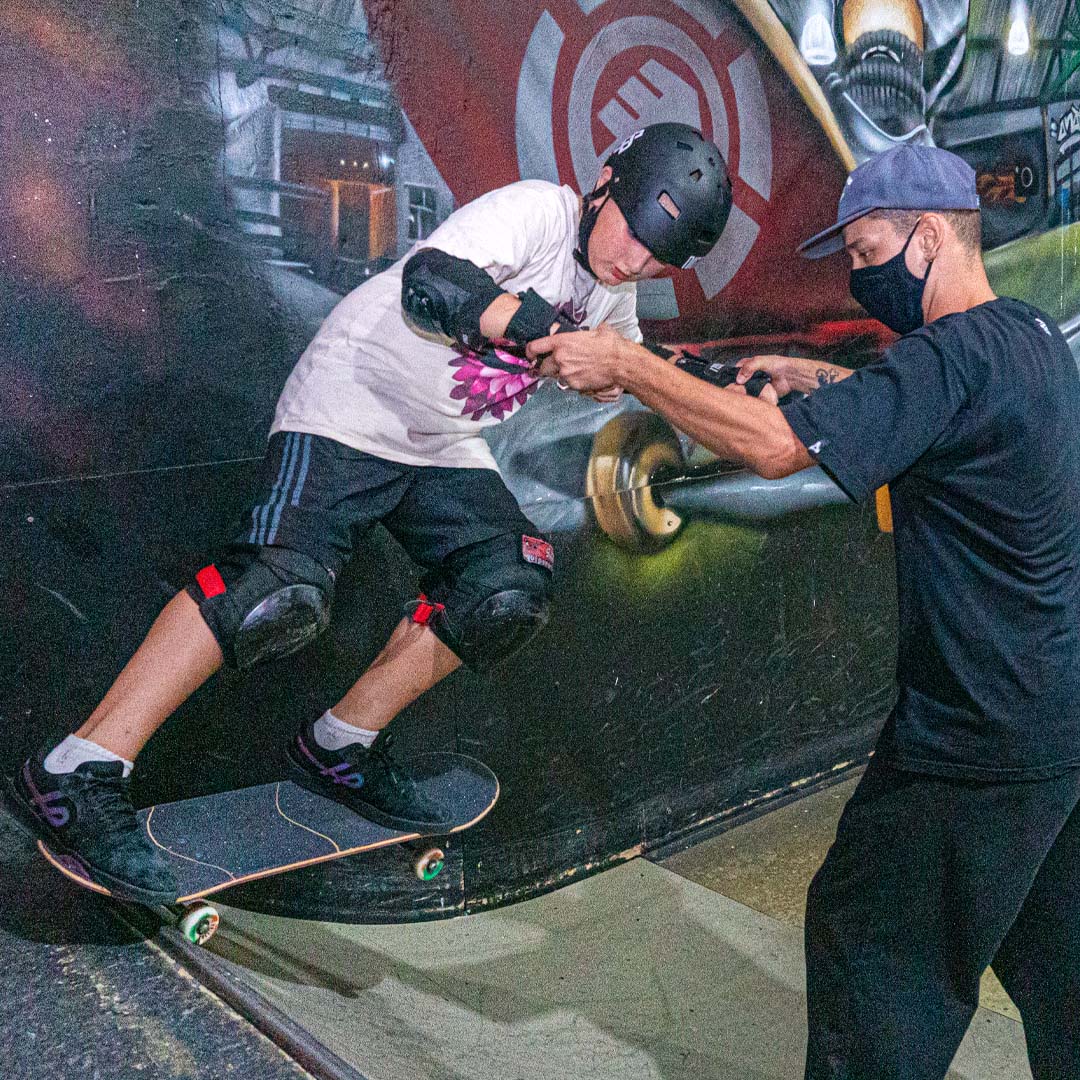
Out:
{"x": 537, "y": 551}
{"x": 210, "y": 581}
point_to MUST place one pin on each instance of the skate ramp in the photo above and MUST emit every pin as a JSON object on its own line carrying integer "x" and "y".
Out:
{"x": 173, "y": 239}
{"x": 667, "y": 691}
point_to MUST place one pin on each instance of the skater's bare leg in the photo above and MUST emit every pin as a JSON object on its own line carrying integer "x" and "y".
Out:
{"x": 413, "y": 661}
{"x": 176, "y": 657}
{"x": 344, "y": 754}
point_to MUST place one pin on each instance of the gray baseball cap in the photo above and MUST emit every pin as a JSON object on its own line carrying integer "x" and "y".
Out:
{"x": 907, "y": 177}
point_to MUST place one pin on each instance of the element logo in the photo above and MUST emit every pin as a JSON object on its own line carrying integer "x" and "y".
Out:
{"x": 595, "y": 76}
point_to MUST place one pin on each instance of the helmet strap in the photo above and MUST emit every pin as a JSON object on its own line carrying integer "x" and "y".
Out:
{"x": 590, "y": 211}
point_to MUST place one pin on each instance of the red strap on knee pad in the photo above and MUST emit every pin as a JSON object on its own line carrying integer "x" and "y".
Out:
{"x": 210, "y": 581}
{"x": 424, "y": 610}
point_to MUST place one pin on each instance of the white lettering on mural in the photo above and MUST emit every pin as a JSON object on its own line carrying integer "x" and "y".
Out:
{"x": 659, "y": 94}
{"x": 1066, "y": 130}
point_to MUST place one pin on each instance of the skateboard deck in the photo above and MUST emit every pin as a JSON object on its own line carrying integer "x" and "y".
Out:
{"x": 217, "y": 841}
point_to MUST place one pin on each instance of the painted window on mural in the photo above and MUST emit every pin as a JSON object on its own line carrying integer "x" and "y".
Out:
{"x": 1068, "y": 178}
{"x": 421, "y": 212}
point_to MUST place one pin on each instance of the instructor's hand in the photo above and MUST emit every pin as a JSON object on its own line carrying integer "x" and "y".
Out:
{"x": 781, "y": 369}
{"x": 585, "y": 361}
{"x": 606, "y": 397}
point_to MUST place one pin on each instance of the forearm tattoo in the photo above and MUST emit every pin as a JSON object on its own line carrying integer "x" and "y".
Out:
{"x": 826, "y": 376}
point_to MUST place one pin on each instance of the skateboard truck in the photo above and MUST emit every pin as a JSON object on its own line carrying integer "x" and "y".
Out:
{"x": 195, "y": 918}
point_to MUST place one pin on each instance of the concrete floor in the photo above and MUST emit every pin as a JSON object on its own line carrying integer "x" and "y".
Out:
{"x": 690, "y": 969}
{"x": 85, "y": 994}
{"x": 767, "y": 865}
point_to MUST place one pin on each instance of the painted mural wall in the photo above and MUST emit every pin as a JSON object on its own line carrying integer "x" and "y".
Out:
{"x": 188, "y": 187}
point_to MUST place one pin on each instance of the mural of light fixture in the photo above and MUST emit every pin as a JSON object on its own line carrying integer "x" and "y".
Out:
{"x": 817, "y": 44}
{"x": 874, "y": 17}
{"x": 879, "y": 87}
{"x": 1019, "y": 41}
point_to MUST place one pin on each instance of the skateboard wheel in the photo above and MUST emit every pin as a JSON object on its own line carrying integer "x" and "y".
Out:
{"x": 429, "y": 865}
{"x": 628, "y": 452}
{"x": 198, "y": 923}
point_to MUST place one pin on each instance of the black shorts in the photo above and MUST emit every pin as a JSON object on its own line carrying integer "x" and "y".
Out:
{"x": 463, "y": 526}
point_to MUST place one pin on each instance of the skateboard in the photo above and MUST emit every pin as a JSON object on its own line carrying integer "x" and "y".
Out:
{"x": 217, "y": 841}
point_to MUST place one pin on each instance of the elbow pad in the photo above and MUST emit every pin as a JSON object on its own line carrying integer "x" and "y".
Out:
{"x": 442, "y": 294}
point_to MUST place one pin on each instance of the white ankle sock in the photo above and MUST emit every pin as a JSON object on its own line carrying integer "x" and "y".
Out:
{"x": 73, "y": 751}
{"x": 332, "y": 733}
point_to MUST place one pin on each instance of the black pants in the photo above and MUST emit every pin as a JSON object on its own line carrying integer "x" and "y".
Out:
{"x": 930, "y": 881}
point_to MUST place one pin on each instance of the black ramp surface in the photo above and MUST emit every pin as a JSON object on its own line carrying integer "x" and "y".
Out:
{"x": 665, "y": 690}
{"x": 170, "y": 264}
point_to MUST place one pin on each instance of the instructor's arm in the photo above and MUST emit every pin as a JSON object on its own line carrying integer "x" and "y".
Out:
{"x": 792, "y": 373}
{"x": 734, "y": 426}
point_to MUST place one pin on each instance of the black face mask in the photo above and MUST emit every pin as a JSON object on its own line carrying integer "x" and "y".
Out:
{"x": 891, "y": 293}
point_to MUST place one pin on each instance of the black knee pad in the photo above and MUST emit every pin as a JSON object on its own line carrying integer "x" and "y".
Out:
{"x": 492, "y": 599}
{"x": 492, "y": 630}
{"x": 264, "y": 606}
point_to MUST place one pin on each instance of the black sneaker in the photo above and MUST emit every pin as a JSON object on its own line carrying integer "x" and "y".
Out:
{"x": 86, "y": 816}
{"x": 368, "y": 781}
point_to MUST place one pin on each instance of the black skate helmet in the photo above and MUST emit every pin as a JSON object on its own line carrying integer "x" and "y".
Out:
{"x": 672, "y": 186}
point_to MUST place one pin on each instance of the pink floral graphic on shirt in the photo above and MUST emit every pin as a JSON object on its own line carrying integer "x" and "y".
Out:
{"x": 491, "y": 390}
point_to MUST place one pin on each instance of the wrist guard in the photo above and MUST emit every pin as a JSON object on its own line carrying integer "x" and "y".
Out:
{"x": 534, "y": 319}
{"x": 719, "y": 373}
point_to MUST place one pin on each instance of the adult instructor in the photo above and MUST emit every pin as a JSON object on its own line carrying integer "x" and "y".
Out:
{"x": 960, "y": 847}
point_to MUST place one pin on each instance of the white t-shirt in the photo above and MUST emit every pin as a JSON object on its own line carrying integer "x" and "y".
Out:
{"x": 368, "y": 380}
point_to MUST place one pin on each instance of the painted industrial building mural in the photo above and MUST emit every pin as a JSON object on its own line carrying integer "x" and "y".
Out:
{"x": 188, "y": 187}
